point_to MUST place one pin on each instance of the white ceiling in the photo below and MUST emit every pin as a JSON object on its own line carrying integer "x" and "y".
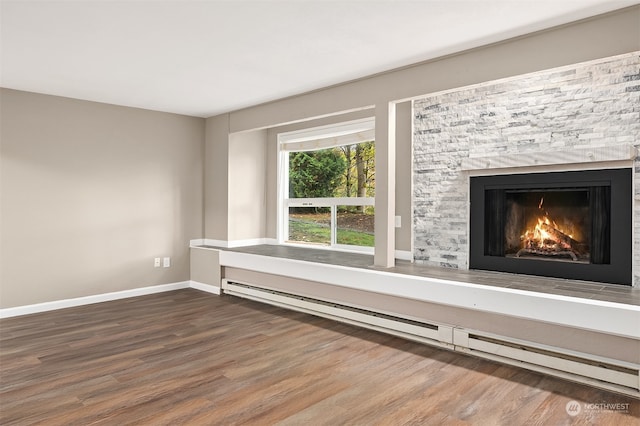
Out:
{"x": 203, "y": 58}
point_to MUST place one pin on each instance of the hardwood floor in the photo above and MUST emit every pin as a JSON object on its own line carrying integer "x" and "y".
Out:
{"x": 188, "y": 357}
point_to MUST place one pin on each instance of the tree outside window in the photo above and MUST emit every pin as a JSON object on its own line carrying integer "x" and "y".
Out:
{"x": 340, "y": 172}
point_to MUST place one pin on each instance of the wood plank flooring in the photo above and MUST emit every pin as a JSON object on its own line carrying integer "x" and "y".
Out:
{"x": 188, "y": 357}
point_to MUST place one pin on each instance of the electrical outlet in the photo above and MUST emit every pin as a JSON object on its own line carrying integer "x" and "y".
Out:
{"x": 166, "y": 262}
{"x": 156, "y": 262}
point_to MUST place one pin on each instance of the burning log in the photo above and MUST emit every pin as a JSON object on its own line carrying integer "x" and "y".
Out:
{"x": 547, "y": 239}
{"x": 542, "y": 252}
{"x": 561, "y": 238}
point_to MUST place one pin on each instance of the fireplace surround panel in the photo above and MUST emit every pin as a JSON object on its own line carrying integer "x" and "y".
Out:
{"x": 575, "y": 225}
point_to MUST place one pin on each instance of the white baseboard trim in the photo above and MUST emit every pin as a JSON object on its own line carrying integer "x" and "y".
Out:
{"x": 87, "y": 300}
{"x": 204, "y": 287}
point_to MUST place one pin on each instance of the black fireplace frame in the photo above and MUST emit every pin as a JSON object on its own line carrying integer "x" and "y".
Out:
{"x": 617, "y": 271}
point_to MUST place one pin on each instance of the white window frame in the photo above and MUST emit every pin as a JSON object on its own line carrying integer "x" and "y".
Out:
{"x": 313, "y": 139}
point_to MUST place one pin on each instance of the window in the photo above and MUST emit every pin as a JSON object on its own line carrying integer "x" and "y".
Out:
{"x": 327, "y": 186}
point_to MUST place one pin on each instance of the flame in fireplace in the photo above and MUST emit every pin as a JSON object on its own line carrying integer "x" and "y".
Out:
{"x": 544, "y": 236}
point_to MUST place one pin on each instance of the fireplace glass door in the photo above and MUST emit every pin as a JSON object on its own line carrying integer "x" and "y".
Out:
{"x": 561, "y": 225}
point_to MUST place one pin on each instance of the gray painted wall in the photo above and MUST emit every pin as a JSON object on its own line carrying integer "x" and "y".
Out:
{"x": 91, "y": 193}
{"x": 216, "y": 178}
{"x": 247, "y": 186}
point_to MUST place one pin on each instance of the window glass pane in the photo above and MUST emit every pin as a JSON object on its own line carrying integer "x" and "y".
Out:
{"x": 359, "y": 178}
{"x": 316, "y": 174}
{"x": 344, "y": 171}
{"x": 355, "y": 225}
{"x": 310, "y": 225}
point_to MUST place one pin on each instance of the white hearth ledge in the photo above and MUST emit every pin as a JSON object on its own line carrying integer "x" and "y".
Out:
{"x": 595, "y": 315}
{"x": 624, "y": 152}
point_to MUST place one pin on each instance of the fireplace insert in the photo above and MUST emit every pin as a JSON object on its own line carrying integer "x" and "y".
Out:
{"x": 574, "y": 225}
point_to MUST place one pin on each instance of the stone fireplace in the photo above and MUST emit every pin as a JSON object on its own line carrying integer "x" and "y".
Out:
{"x": 543, "y": 147}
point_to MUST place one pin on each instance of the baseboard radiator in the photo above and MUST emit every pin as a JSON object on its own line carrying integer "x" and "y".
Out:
{"x": 610, "y": 374}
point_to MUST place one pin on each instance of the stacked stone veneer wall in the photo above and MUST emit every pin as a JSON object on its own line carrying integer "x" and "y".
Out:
{"x": 591, "y": 104}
